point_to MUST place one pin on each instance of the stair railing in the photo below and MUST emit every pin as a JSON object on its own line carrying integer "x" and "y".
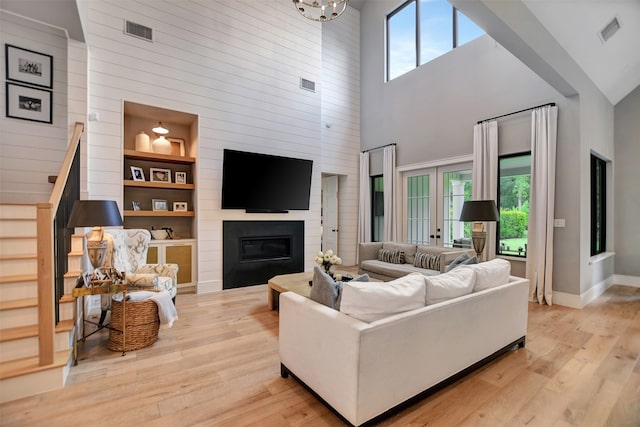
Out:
{"x": 49, "y": 217}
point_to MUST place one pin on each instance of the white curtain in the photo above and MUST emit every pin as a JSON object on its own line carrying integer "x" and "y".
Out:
{"x": 389, "y": 179}
{"x": 485, "y": 175}
{"x": 544, "y": 131}
{"x": 364, "y": 203}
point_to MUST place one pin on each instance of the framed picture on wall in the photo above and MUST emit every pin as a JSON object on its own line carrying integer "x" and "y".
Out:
{"x": 28, "y": 103}
{"x": 28, "y": 66}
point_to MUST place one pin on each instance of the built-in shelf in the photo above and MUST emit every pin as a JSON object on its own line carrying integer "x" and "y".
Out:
{"x": 158, "y": 213}
{"x": 155, "y": 157}
{"x": 165, "y": 185}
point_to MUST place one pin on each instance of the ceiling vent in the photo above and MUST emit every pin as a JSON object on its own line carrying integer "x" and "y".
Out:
{"x": 611, "y": 28}
{"x": 138, "y": 30}
{"x": 307, "y": 85}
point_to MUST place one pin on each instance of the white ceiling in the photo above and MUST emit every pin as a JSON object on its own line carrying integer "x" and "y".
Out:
{"x": 614, "y": 66}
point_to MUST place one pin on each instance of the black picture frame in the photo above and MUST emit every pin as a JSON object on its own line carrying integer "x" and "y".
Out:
{"x": 28, "y": 66}
{"x": 29, "y": 103}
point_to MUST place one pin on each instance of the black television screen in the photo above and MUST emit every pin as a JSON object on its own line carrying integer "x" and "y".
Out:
{"x": 265, "y": 183}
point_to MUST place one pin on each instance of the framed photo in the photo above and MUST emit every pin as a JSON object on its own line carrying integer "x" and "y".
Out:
{"x": 135, "y": 204}
{"x": 159, "y": 205}
{"x": 27, "y": 103}
{"x": 160, "y": 175}
{"x": 177, "y": 146}
{"x": 181, "y": 177}
{"x": 180, "y": 206}
{"x": 137, "y": 173}
{"x": 28, "y": 66}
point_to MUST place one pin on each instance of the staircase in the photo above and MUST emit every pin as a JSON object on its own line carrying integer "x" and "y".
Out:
{"x": 21, "y": 370}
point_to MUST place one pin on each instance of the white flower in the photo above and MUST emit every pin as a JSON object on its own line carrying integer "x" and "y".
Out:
{"x": 330, "y": 252}
{"x": 333, "y": 260}
{"x": 320, "y": 254}
{"x": 338, "y": 260}
{"x": 319, "y": 260}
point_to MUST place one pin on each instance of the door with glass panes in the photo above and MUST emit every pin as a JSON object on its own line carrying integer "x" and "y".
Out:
{"x": 432, "y": 202}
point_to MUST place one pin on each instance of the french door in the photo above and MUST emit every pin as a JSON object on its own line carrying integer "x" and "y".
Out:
{"x": 432, "y": 202}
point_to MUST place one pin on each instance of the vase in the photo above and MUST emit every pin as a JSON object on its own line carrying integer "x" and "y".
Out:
{"x": 142, "y": 142}
{"x": 161, "y": 145}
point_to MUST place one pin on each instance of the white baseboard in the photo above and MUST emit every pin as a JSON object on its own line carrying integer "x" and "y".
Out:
{"x": 580, "y": 301}
{"x": 620, "y": 279}
{"x": 205, "y": 287}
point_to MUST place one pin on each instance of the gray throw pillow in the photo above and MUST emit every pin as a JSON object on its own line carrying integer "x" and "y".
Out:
{"x": 327, "y": 291}
{"x": 463, "y": 259}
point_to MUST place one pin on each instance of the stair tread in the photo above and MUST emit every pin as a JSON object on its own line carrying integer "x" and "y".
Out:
{"x": 73, "y": 274}
{"x": 15, "y": 257}
{"x": 66, "y": 298}
{"x": 18, "y": 303}
{"x": 34, "y": 237}
{"x": 28, "y": 365}
{"x": 19, "y": 332}
{"x": 64, "y": 325}
{"x": 19, "y": 219}
{"x": 18, "y": 278}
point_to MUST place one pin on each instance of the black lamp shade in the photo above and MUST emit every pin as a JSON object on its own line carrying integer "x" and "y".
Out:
{"x": 479, "y": 210}
{"x": 94, "y": 213}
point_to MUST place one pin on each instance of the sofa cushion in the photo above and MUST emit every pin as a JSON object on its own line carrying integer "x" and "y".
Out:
{"x": 393, "y": 270}
{"x": 394, "y": 256}
{"x": 490, "y": 273}
{"x": 372, "y": 301}
{"x": 453, "y": 284}
{"x": 409, "y": 249}
{"x": 464, "y": 259}
{"x": 425, "y": 260}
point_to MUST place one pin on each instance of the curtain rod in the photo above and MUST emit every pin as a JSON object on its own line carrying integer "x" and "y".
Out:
{"x": 552, "y": 104}
{"x": 382, "y": 146}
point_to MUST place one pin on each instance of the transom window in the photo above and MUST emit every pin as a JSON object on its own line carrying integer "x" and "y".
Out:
{"x": 421, "y": 30}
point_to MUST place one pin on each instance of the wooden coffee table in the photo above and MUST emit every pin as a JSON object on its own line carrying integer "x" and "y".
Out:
{"x": 295, "y": 282}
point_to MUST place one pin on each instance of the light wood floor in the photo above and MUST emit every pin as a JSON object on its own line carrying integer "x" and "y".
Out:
{"x": 219, "y": 366}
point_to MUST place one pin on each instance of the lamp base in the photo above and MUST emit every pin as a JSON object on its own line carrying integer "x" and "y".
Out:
{"x": 479, "y": 239}
{"x": 96, "y": 249}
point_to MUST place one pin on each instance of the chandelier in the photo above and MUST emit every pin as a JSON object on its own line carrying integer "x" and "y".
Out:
{"x": 321, "y": 10}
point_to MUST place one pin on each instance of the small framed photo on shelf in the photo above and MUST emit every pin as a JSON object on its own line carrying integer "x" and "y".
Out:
{"x": 159, "y": 205}
{"x": 181, "y": 177}
{"x": 137, "y": 173}
{"x": 135, "y": 204}
{"x": 28, "y": 66}
{"x": 180, "y": 206}
{"x": 160, "y": 175}
{"x": 177, "y": 146}
{"x": 28, "y": 103}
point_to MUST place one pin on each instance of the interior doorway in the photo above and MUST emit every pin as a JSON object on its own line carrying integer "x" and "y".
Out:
{"x": 330, "y": 230}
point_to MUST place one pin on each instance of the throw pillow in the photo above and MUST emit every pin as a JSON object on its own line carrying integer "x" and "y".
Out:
{"x": 463, "y": 259}
{"x": 450, "y": 285}
{"x": 491, "y": 273}
{"x": 393, "y": 256}
{"x": 325, "y": 290}
{"x": 361, "y": 278}
{"x": 428, "y": 261}
{"x": 372, "y": 301}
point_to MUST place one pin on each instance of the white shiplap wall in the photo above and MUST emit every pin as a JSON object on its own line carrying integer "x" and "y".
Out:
{"x": 31, "y": 151}
{"x": 237, "y": 68}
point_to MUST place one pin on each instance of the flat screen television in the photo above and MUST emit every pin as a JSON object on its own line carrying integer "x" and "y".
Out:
{"x": 265, "y": 183}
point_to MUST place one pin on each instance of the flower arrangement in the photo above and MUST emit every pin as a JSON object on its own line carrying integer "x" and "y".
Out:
{"x": 327, "y": 260}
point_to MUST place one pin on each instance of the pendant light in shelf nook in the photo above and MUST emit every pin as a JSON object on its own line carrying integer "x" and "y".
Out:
{"x": 161, "y": 145}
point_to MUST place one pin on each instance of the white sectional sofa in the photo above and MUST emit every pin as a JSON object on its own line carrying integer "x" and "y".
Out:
{"x": 364, "y": 371}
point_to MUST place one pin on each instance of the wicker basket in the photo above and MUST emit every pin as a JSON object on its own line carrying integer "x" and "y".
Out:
{"x": 142, "y": 325}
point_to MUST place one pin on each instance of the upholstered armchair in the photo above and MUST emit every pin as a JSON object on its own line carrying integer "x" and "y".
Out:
{"x": 127, "y": 252}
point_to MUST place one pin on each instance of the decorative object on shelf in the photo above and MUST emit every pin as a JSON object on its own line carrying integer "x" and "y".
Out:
{"x": 180, "y": 206}
{"x": 28, "y": 66}
{"x": 96, "y": 214}
{"x": 160, "y": 175}
{"x": 142, "y": 142}
{"x": 327, "y": 260}
{"x": 160, "y": 129}
{"x": 479, "y": 211}
{"x": 27, "y": 103}
{"x": 137, "y": 173}
{"x": 320, "y": 10}
{"x": 181, "y": 177}
{"x": 161, "y": 234}
{"x": 177, "y": 146}
{"x": 161, "y": 145}
{"x": 135, "y": 204}
{"x": 160, "y": 205}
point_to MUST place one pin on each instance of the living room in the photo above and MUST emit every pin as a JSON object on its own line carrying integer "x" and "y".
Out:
{"x": 240, "y": 74}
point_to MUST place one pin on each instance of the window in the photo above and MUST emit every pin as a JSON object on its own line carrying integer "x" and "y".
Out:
{"x": 514, "y": 177}
{"x": 598, "y": 205}
{"x": 377, "y": 208}
{"x": 421, "y": 30}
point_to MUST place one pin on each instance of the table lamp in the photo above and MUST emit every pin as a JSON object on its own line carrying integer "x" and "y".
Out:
{"x": 479, "y": 211}
{"x": 95, "y": 214}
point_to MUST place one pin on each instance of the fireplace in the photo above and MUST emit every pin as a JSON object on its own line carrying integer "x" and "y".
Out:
{"x": 255, "y": 251}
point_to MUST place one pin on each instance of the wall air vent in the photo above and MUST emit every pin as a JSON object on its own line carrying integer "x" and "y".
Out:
{"x": 138, "y": 30}
{"x": 611, "y": 28}
{"x": 307, "y": 85}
